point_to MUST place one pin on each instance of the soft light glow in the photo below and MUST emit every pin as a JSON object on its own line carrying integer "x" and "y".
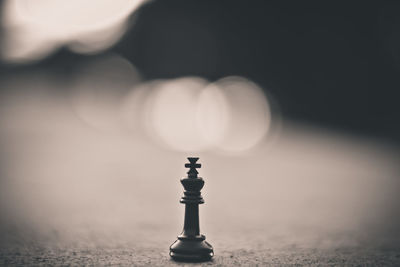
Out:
{"x": 190, "y": 114}
{"x": 35, "y": 28}
{"x": 172, "y": 113}
{"x": 99, "y": 90}
{"x": 212, "y": 114}
{"x": 250, "y": 115}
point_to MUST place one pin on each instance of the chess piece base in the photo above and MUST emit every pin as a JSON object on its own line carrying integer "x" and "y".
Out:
{"x": 191, "y": 249}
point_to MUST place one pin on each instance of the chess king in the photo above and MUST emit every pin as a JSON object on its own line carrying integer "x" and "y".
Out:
{"x": 191, "y": 245}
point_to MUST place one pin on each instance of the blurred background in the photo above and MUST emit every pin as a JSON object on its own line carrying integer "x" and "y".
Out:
{"x": 292, "y": 107}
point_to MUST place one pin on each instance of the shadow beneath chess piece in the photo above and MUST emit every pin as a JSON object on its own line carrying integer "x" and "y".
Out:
{"x": 191, "y": 245}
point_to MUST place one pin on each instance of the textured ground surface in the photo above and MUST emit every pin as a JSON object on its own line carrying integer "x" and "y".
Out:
{"x": 307, "y": 198}
{"x": 157, "y": 257}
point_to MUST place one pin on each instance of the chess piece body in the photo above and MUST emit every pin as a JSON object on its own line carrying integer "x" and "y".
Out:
{"x": 191, "y": 245}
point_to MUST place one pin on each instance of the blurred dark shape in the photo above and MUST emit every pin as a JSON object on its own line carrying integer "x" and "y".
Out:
{"x": 325, "y": 62}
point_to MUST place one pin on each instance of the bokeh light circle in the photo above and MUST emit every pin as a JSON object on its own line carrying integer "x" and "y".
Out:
{"x": 171, "y": 113}
{"x": 249, "y": 113}
{"x": 190, "y": 114}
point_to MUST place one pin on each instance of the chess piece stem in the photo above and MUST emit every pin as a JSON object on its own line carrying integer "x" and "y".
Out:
{"x": 191, "y": 226}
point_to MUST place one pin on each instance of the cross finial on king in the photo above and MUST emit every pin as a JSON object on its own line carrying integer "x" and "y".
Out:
{"x": 192, "y": 173}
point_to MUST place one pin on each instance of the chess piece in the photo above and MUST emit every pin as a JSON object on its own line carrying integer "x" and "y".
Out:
{"x": 191, "y": 245}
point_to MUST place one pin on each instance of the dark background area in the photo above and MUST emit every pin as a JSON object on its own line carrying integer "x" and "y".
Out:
{"x": 331, "y": 63}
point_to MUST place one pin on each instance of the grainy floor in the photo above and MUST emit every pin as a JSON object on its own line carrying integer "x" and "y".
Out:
{"x": 308, "y": 198}
{"x": 35, "y": 256}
